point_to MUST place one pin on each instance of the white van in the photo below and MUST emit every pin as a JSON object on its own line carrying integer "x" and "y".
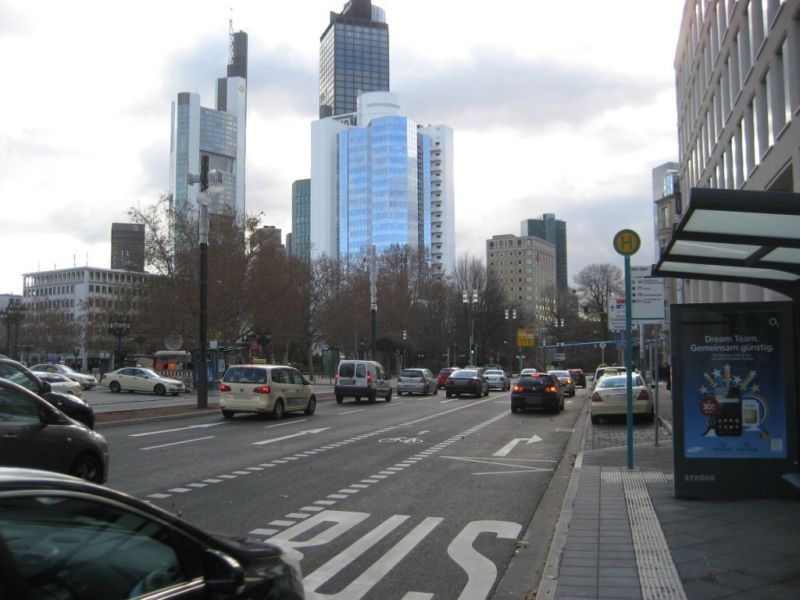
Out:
{"x": 266, "y": 389}
{"x": 361, "y": 379}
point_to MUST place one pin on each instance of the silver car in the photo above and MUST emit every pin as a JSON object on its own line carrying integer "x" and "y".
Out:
{"x": 497, "y": 380}
{"x": 416, "y": 381}
{"x": 87, "y": 381}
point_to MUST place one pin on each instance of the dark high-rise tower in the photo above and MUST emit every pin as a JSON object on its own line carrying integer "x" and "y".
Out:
{"x": 552, "y": 230}
{"x": 353, "y": 57}
{"x": 127, "y": 246}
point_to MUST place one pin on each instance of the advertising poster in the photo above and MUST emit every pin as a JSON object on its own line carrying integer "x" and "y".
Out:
{"x": 734, "y": 403}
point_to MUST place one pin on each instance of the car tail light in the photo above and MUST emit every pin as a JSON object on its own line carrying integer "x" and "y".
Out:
{"x": 224, "y": 387}
{"x": 517, "y": 388}
{"x": 569, "y": 379}
{"x": 335, "y": 377}
{"x": 262, "y": 389}
{"x": 643, "y": 395}
{"x": 550, "y": 388}
{"x": 369, "y": 378}
{"x": 596, "y": 397}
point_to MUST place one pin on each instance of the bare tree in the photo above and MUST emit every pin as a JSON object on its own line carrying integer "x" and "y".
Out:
{"x": 596, "y": 282}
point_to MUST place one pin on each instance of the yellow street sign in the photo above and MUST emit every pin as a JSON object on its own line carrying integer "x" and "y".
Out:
{"x": 627, "y": 242}
{"x": 525, "y": 337}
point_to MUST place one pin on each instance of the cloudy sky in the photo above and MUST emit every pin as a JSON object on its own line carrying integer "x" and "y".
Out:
{"x": 562, "y": 107}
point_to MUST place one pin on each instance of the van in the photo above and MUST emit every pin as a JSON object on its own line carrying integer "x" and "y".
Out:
{"x": 270, "y": 390}
{"x": 361, "y": 379}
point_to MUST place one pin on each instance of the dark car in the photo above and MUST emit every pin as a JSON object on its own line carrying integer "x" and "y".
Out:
{"x": 579, "y": 377}
{"x": 36, "y": 435}
{"x": 72, "y": 406}
{"x": 537, "y": 391}
{"x": 441, "y": 378}
{"x": 61, "y": 537}
{"x": 466, "y": 381}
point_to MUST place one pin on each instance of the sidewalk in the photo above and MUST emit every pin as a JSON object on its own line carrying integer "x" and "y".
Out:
{"x": 622, "y": 534}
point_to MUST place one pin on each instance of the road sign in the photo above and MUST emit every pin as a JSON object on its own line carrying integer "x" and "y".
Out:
{"x": 647, "y": 296}
{"x": 525, "y": 337}
{"x": 616, "y": 313}
{"x": 627, "y": 242}
{"x": 559, "y": 357}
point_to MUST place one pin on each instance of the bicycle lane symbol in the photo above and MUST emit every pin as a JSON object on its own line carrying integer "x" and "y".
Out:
{"x": 401, "y": 440}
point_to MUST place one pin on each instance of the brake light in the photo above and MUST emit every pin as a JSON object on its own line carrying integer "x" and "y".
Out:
{"x": 517, "y": 388}
{"x": 643, "y": 395}
{"x": 550, "y": 388}
{"x": 262, "y": 389}
{"x": 224, "y": 387}
{"x": 369, "y": 377}
{"x": 335, "y": 377}
{"x": 596, "y": 397}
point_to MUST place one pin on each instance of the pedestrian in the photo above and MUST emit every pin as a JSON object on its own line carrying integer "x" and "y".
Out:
{"x": 668, "y": 376}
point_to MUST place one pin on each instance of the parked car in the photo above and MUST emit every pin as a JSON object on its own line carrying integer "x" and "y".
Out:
{"x": 265, "y": 389}
{"x": 361, "y": 379}
{"x": 87, "y": 381}
{"x": 65, "y": 538}
{"x": 466, "y": 381}
{"x": 74, "y": 407}
{"x": 416, "y": 381}
{"x": 441, "y": 378}
{"x": 579, "y": 377}
{"x": 61, "y": 383}
{"x": 565, "y": 379}
{"x": 34, "y": 434}
{"x": 610, "y": 397}
{"x": 497, "y": 380}
{"x": 139, "y": 379}
{"x": 537, "y": 391}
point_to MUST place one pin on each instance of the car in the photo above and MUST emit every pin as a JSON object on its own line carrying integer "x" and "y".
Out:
{"x": 610, "y": 398}
{"x": 61, "y": 537}
{"x": 87, "y": 381}
{"x": 416, "y": 381}
{"x": 540, "y": 391}
{"x": 566, "y": 381}
{"x": 35, "y": 434}
{"x": 497, "y": 380}
{"x": 530, "y": 371}
{"x": 466, "y": 381}
{"x": 579, "y": 377}
{"x": 441, "y": 378}
{"x": 270, "y": 390}
{"x": 493, "y": 367}
{"x": 606, "y": 370}
{"x": 361, "y": 379}
{"x": 139, "y": 379}
{"x": 61, "y": 383}
{"x": 73, "y": 406}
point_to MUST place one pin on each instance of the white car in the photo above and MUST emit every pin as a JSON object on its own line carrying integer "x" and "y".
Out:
{"x": 87, "y": 381}
{"x": 497, "y": 379}
{"x": 270, "y": 390}
{"x": 61, "y": 383}
{"x": 610, "y": 398}
{"x": 138, "y": 379}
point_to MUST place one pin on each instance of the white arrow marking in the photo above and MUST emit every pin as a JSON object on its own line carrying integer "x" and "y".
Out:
{"x": 286, "y": 437}
{"x": 201, "y": 426}
{"x": 504, "y": 451}
{"x": 208, "y": 437}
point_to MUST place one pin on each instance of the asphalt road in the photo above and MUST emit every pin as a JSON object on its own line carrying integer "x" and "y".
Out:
{"x": 415, "y": 499}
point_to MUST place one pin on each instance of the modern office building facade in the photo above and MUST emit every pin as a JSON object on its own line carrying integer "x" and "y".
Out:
{"x": 353, "y": 57}
{"x": 127, "y": 246}
{"x": 300, "y": 246}
{"x": 205, "y": 139}
{"x": 525, "y": 268}
{"x": 738, "y": 95}
{"x": 442, "y": 201}
{"x": 552, "y": 230}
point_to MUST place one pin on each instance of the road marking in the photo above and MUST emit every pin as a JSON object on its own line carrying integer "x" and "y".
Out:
{"x": 281, "y": 523}
{"x": 520, "y": 468}
{"x": 350, "y": 412}
{"x": 424, "y": 432}
{"x": 447, "y": 401}
{"x": 208, "y": 437}
{"x": 203, "y": 426}
{"x": 481, "y": 572}
{"x": 505, "y": 450}
{"x": 286, "y": 437}
{"x": 264, "y": 532}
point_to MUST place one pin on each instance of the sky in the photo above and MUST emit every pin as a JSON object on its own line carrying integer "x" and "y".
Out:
{"x": 556, "y": 107}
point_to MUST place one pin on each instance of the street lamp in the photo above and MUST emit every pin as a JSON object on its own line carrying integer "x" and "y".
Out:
{"x": 203, "y": 179}
{"x": 511, "y": 315}
{"x": 12, "y": 314}
{"x": 470, "y": 300}
{"x": 119, "y": 327}
{"x": 403, "y": 355}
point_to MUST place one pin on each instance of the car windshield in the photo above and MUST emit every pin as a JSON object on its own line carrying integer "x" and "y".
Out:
{"x": 494, "y": 372}
{"x": 560, "y": 373}
{"x": 464, "y": 374}
{"x": 536, "y": 379}
{"x": 411, "y": 373}
{"x": 245, "y": 375}
{"x": 619, "y": 381}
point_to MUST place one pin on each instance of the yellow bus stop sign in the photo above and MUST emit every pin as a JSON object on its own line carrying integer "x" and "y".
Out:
{"x": 627, "y": 242}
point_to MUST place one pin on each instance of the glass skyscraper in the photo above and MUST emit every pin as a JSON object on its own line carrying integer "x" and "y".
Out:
{"x": 353, "y": 57}
{"x": 551, "y": 230}
{"x": 384, "y": 188}
{"x": 300, "y": 246}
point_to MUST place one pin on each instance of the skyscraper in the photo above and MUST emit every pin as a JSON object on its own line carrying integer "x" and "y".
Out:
{"x": 353, "y": 57}
{"x": 301, "y": 218}
{"x": 127, "y": 246}
{"x": 443, "y": 220}
{"x": 552, "y": 230}
{"x": 205, "y": 139}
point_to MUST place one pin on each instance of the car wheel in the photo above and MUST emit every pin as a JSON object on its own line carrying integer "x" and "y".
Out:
{"x": 160, "y": 390}
{"x": 87, "y": 467}
{"x": 371, "y": 397}
{"x": 130, "y": 391}
{"x": 595, "y": 419}
{"x": 228, "y": 414}
{"x": 399, "y": 393}
{"x": 448, "y": 395}
{"x": 514, "y": 409}
{"x": 650, "y": 417}
{"x": 358, "y": 398}
{"x": 312, "y": 406}
{"x": 339, "y": 399}
{"x": 174, "y": 393}
{"x": 114, "y": 387}
{"x": 277, "y": 412}
{"x": 389, "y": 396}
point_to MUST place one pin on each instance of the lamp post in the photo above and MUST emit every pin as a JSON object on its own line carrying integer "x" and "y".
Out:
{"x": 119, "y": 327}
{"x": 403, "y": 355}
{"x": 511, "y": 315}
{"x": 201, "y": 370}
{"x": 11, "y": 315}
{"x": 470, "y": 300}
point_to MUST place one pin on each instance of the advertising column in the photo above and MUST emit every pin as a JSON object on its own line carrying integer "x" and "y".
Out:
{"x": 733, "y": 399}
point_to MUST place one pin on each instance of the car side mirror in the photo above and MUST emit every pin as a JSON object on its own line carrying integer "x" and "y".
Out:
{"x": 306, "y": 381}
{"x": 46, "y": 387}
{"x": 223, "y": 575}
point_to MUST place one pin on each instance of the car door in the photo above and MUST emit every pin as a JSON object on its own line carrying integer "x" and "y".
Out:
{"x": 139, "y": 380}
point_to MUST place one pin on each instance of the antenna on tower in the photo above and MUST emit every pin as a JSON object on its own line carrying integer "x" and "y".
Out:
{"x": 230, "y": 38}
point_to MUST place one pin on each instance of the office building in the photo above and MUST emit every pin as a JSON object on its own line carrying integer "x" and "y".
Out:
{"x": 353, "y": 57}
{"x": 127, "y": 246}
{"x": 525, "y": 268}
{"x": 206, "y": 139}
{"x": 300, "y": 244}
{"x": 738, "y": 92}
{"x": 267, "y": 239}
{"x": 443, "y": 218}
{"x": 667, "y": 210}
{"x": 552, "y": 230}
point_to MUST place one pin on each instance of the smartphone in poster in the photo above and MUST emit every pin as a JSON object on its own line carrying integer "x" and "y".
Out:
{"x": 734, "y": 403}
